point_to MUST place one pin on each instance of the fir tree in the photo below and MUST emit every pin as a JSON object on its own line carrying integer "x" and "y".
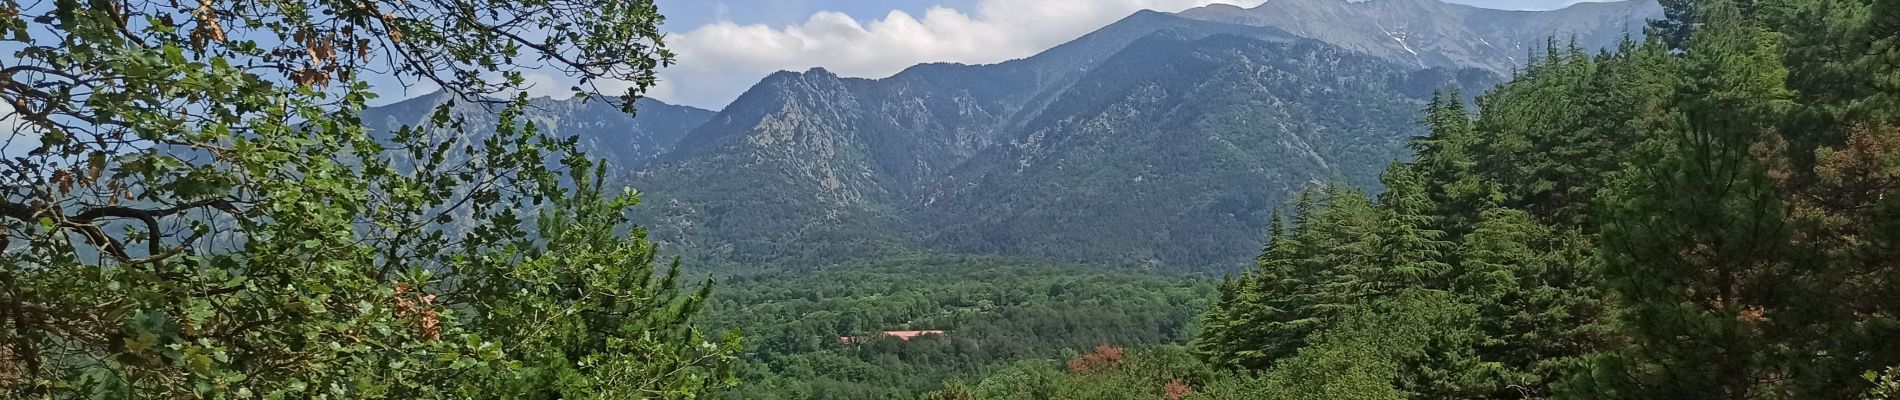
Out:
{"x": 1410, "y": 253}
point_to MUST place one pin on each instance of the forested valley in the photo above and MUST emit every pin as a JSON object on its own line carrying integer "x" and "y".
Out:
{"x": 198, "y": 201}
{"x": 819, "y": 334}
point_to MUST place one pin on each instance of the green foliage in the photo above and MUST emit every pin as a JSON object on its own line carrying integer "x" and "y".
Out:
{"x": 1703, "y": 215}
{"x": 1373, "y": 353}
{"x": 1537, "y": 291}
{"x": 205, "y": 215}
{"x": 997, "y": 314}
{"x": 1544, "y": 142}
{"x": 1696, "y": 226}
{"x": 1409, "y": 250}
{"x": 1156, "y": 372}
{"x": 1368, "y": 354}
{"x": 1306, "y": 278}
{"x": 1886, "y": 385}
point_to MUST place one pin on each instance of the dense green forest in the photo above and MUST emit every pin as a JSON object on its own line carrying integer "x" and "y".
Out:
{"x": 1708, "y": 213}
{"x": 992, "y": 311}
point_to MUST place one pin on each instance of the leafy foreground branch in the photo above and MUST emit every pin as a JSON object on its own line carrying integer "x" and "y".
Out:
{"x": 197, "y": 211}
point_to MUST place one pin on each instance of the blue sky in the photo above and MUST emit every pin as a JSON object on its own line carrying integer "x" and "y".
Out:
{"x": 725, "y": 46}
{"x": 684, "y": 14}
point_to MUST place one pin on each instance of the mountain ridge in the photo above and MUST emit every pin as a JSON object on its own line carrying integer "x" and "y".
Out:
{"x": 814, "y": 157}
{"x": 1236, "y": 126}
{"x": 1163, "y": 140}
{"x": 625, "y": 141}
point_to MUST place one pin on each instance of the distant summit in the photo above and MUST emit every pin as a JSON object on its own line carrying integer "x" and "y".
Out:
{"x": 1430, "y": 33}
{"x": 604, "y": 131}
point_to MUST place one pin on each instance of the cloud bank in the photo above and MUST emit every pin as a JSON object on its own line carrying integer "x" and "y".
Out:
{"x": 719, "y": 61}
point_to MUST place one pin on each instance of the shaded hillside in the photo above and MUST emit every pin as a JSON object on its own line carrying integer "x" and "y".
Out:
{"x": 1176, "y": 150}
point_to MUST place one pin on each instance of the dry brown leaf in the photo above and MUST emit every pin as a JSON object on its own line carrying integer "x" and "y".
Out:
{"x": 422, "y": 308}
{"x": 64, "y": 180}
{"x": 310, "y": 77}
{"x": 9, "y": 368}
{"x": 395, "y": 32}
{"x": 208, "y": 22}
{"x": 117, "y": 193}
{"x": 324, "y": 51}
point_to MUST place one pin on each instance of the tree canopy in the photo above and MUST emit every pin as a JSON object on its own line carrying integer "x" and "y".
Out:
{"x": 201, "y": 212}
{"x": 1702, "y": 214}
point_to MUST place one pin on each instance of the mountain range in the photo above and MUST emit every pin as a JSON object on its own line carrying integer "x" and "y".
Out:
{"x": 1163, "y": 140}
{"x": 626, "y": 141}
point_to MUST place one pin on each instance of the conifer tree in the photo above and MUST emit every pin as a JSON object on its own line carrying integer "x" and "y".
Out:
{"x": 1445, "y": 161}
{"x": 1410, "y": 252}
{"x": 1537, "y": 295}
{"x": 1695, "y": 231}
{"x": 1214, "y": 322}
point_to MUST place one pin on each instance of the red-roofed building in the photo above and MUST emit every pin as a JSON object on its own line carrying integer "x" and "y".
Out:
{"x": 906, "y": 335}
{"x": 901, "y": 335}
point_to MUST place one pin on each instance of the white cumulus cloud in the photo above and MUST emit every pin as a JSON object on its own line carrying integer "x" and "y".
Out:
{"x": 719, "y": 61}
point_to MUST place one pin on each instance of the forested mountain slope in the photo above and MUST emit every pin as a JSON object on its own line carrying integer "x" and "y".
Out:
{"x": 812, "y": 167}
{"x": 1188, "y": 142}
{"x": 1161, "y": 140}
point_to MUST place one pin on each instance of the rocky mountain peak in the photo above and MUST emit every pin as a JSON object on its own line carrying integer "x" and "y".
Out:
{"x": 1432, "y": 33}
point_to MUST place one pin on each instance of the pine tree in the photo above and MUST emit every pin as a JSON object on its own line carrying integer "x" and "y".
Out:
{"x": 1836, "y": 67}
{"x": 1843, "y": 299}
{"x": 1696, "y": 231}
{"x": 1336, "y": 258}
